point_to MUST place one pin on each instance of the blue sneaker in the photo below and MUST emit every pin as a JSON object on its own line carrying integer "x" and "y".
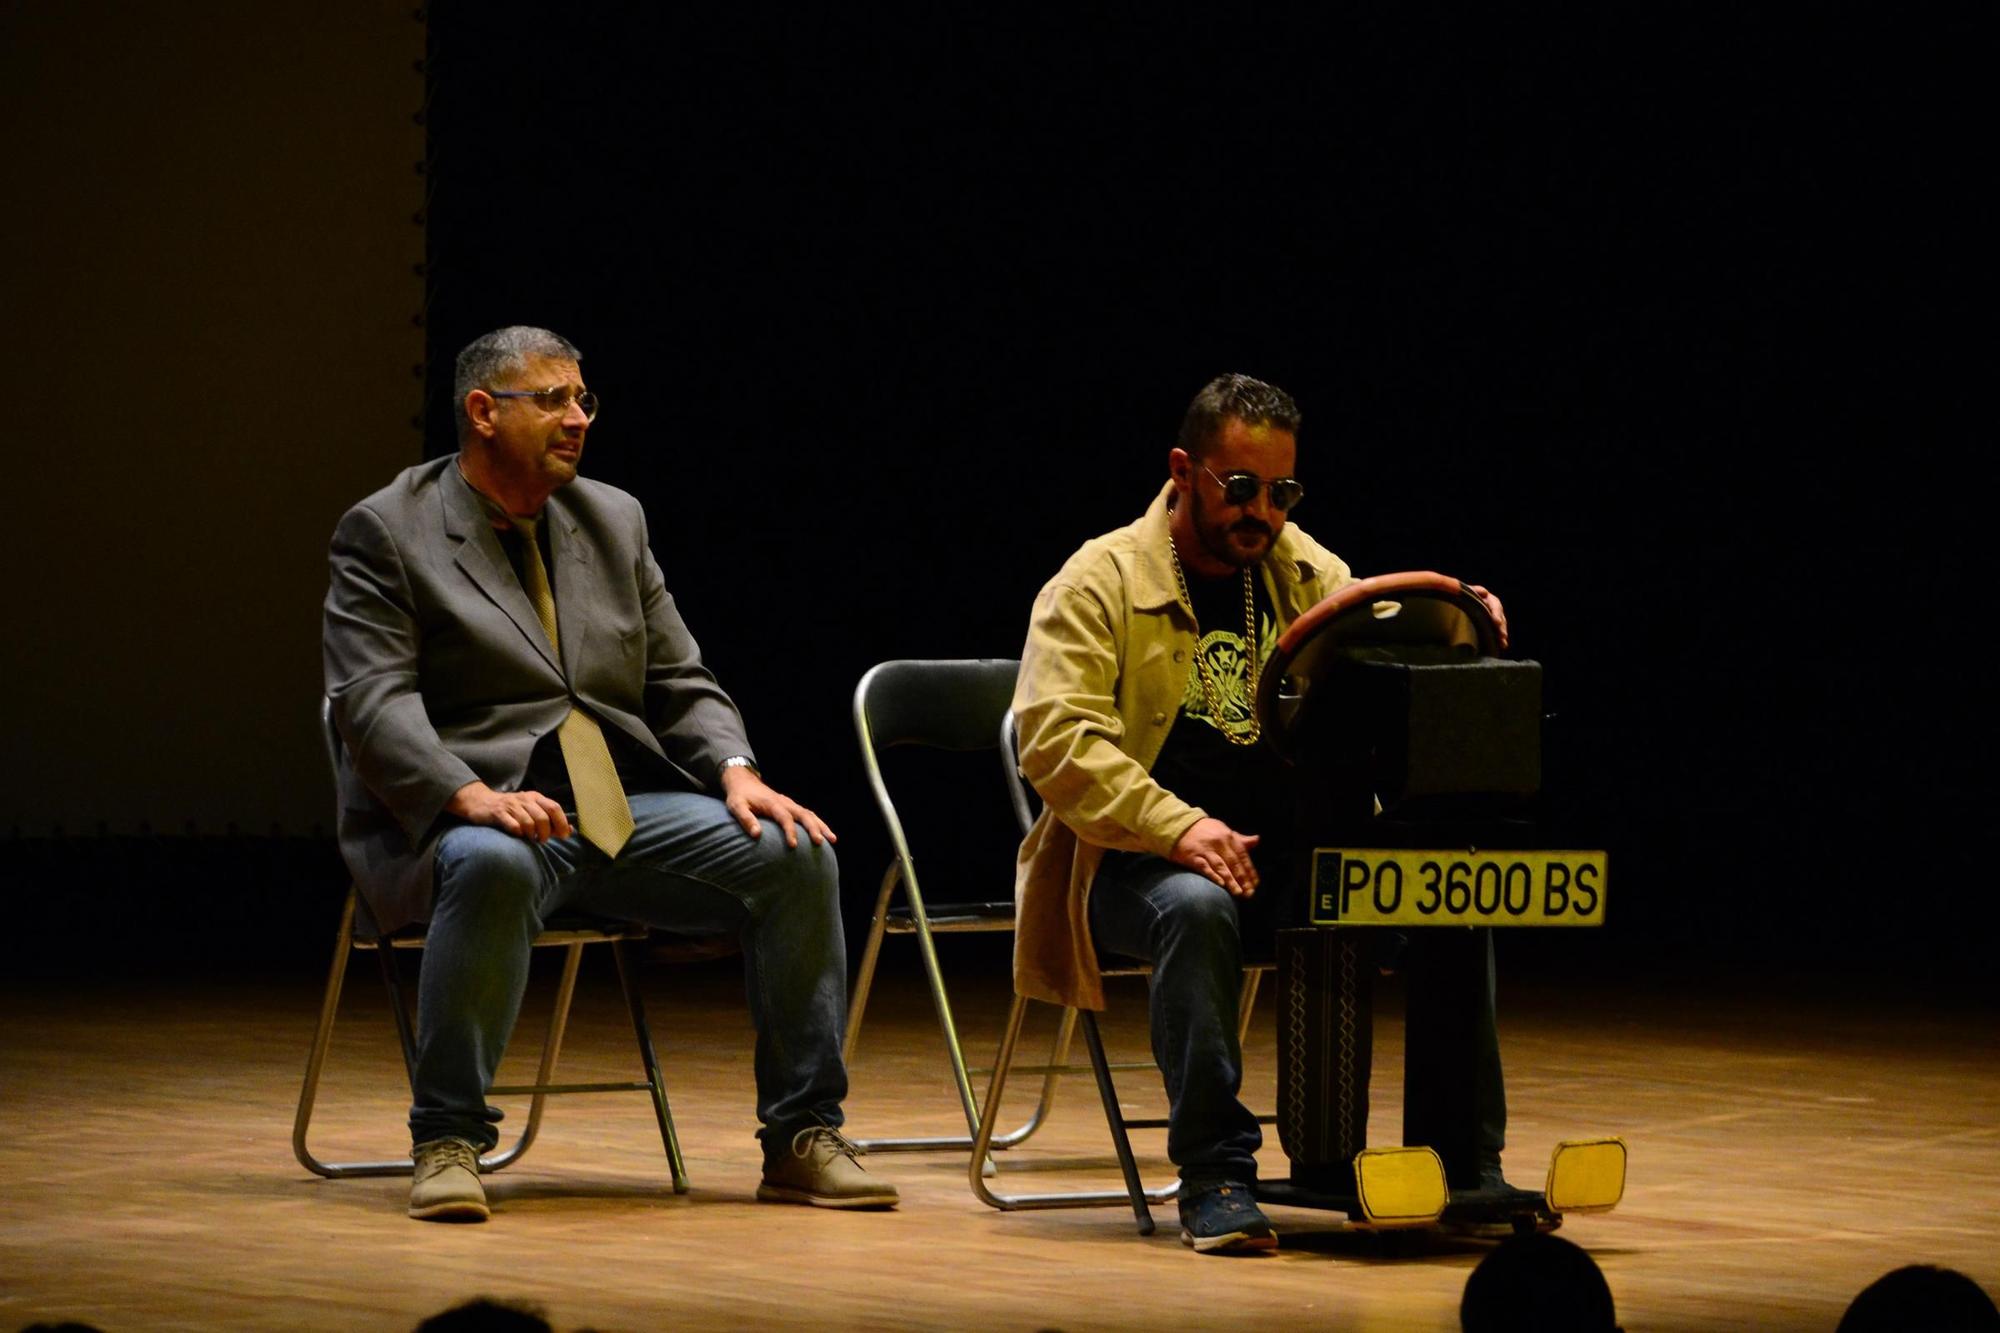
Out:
{"x": 1224, "y": 1217}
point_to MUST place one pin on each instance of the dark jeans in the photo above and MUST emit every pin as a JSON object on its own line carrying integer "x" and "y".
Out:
{"x": 1190, "y": 930}
{"x": 688, "y": 867}
{"x": 1193, "y": 933}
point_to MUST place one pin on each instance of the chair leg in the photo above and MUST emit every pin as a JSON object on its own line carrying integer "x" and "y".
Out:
{"x": 329, "y": 1007}
{"x": 1057, "y": 1066}
{"x": 990, "y": 1111}
{"x": 392, "y": 982}
{"x": 934, "y": 974}
{"x": 934, "y": 977}
{"x": 546, "y": 1070}
{"x": 954, "y": 1048}
{"x": 1246, "y": 1002}
{"x": 343, "y": 950}
{"x": 628, "y": 983}
{"x": 1246, "y": 1006}
{"x": 540, "y": 1090}
{"x": 1115, "y": 1118}
{"x": 996, "y": 1084}
{"x": 871, "y": 954}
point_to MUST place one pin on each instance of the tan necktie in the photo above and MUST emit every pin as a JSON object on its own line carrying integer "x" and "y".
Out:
{"x": 601, "y": 808}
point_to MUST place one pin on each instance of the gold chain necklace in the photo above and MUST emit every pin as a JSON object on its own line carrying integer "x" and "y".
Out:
{"x": 1208, "y": 690}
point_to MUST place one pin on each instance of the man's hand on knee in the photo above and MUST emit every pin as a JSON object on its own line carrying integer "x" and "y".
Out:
{"x": 747, "y": 797}
{"x": 525, "y": 814}
{"x": 1218, "y": 851}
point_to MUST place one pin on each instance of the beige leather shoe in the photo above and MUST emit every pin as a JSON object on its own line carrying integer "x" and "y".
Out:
{"x": 819, "y": 1168}
{"x": 446, "y": 1185}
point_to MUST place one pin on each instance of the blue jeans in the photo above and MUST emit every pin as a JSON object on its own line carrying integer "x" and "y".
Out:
{"x": 689, "y": 867}
{"x": 1188, "y": 928}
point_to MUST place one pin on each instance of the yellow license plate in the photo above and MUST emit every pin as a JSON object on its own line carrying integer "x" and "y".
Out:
{"x": 1370, "y": 886}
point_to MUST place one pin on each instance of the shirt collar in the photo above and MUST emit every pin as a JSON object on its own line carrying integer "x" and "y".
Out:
{"x": 495, "y": 512}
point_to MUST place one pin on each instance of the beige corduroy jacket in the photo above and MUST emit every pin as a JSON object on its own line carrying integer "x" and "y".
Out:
{"x": 1101, "y": 679}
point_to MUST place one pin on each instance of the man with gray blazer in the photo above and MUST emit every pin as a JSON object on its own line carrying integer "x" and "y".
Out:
{"x": 528, "y": 729}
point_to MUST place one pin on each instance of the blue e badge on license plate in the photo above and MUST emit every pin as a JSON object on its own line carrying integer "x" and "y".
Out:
{"x": 1372, "y": 886}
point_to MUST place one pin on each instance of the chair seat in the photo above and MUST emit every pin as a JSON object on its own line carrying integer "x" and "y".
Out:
{"x": 952, "y": 916}
{"x": 1120, "y": 965}
{"x": 556, "y": 931}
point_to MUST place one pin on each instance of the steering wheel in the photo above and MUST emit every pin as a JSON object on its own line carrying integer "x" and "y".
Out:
{"x": 1418, "y": 616}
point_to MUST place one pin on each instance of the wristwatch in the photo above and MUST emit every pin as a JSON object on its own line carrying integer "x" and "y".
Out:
{"x": 739, "y": 761}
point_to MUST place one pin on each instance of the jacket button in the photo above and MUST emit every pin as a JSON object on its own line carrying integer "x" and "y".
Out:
{"x": 1180, "y": 654}
{"x": 1159, "y": 719}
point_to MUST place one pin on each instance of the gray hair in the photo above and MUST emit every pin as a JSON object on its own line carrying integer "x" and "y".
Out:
{"x": 493, "y": 356}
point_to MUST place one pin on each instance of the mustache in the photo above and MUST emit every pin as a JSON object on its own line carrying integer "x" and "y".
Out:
{"x": 1251, "y": 525}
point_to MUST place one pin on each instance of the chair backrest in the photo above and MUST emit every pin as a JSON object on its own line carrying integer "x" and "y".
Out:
{"x": 948, "y": 704}
{"x": 956, "y": 704}
{"x": 1019, "y": 794}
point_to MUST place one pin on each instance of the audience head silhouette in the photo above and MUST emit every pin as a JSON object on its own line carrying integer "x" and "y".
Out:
{"x": 1538, "y": 1282}
{"x": 1921, "y": 1297}
{"x": 486, "y": 1315}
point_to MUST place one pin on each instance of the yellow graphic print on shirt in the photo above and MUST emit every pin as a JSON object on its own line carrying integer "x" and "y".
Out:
{"x": 1229, "y": 665}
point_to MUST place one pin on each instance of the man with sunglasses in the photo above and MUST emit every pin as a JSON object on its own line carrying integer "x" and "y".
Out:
{"x": 1163, "y": 818}
{"x": 528, "y": 730}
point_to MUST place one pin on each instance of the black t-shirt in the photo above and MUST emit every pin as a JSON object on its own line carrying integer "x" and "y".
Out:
{"x": 1242, "y": 785}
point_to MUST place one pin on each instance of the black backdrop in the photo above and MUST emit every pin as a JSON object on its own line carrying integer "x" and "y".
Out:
{"x": 1659, "y": 326}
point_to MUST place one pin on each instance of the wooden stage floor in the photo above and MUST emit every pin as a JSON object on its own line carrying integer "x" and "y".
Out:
{"x": 1785, "y": 1150}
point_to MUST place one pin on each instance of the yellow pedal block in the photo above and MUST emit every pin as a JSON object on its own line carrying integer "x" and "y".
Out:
{"x": 1400, "y": 1187}
{"x": 1586, "y": 1175}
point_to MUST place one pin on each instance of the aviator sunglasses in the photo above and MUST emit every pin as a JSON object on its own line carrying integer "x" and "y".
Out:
{"x": 1240, "y": 488}
{"x": 559, "y": 398}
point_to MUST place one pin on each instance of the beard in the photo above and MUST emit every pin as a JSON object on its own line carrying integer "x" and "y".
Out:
{"x": 1242, "y": 543}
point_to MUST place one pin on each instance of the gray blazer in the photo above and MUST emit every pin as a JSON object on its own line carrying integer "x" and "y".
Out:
{"x": 440, "y": 674}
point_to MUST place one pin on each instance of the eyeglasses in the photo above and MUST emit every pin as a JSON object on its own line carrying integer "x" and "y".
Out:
{"x": 556, "y": 400}
{"x": 1240, "y": 488}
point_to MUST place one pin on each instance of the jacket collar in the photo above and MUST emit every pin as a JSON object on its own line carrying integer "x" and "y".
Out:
{"x": 1153, "y": 583}
{"x": 468, "y": 521}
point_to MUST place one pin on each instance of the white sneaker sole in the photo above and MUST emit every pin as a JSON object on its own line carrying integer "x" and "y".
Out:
{"x": 1234, "y": 1241}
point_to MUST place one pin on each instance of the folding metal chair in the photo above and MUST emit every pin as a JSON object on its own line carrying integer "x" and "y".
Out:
{"x": 1136, "y": 1192}
{"x": 948, "y": 705}
{"x": 357, "y": 932}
